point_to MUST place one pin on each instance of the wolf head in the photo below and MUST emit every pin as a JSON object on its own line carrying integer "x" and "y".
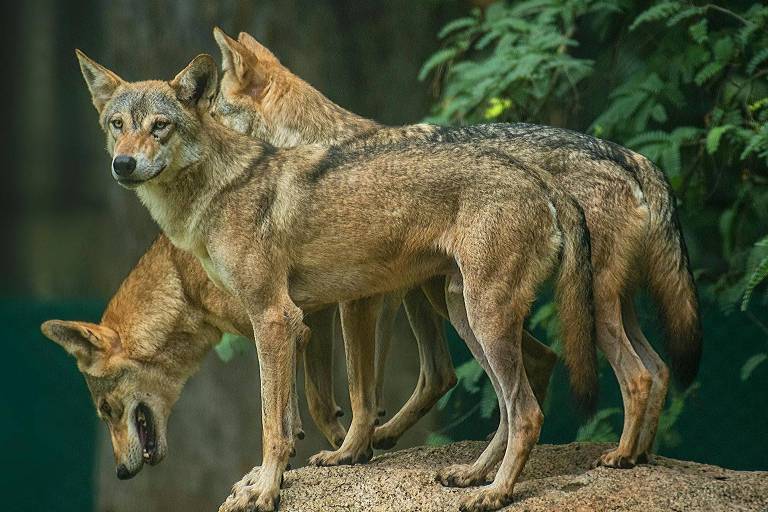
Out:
{"x": 150, "y": 341}
{"x": 151, "y": 126}
{"x": 132, "y": 398}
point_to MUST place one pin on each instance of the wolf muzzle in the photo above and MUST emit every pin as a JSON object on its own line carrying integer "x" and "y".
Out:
{"x": 123, "y": 165}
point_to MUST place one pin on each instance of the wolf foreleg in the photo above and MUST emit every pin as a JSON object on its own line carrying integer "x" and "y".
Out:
{"x": 276, "y": 328}
{"x": 436, "y": 374}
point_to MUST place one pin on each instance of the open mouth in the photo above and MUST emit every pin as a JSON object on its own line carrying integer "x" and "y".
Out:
{"x": 145, "y": 426}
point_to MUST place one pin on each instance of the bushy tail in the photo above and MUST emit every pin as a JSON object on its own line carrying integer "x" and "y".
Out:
{"x": 671, "y": 286}
{"x": 668, "y": 274}
{"x": 575, "y": 304}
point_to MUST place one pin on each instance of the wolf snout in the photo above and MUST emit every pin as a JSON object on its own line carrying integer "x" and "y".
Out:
{"x": 123, "y": 165}
{"x": 123, "y": 473}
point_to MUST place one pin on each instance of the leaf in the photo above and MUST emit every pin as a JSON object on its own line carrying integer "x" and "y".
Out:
{"x": 232, "y": 345}
{"x": 496, "y": 108}
{"x": 456, "y": 25}
{"x": 437, "y": 58}
{"x": 438, "y": 439}
{"x": 598, "y": 429}
{"x": 707, "y": 72}
{"x": 657, "y": 12}
{"x": 659, "y": 113}
{"x": 724, "y": 49}
{"x": 757, "y": 59}
{"x": 488, "y": 401}
{"x": 714, "y": 136}
{"x": 758, "y": 274}
{"x": 699, "y": 31}
{"x": 469, "y": 375}
{"x": 684, "y": 14}
{"x": 666, "y": 434}
{"x": 752, "y": 363}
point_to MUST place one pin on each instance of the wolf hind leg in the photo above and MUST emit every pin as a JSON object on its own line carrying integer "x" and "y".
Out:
{"x": 660, "y": 380}
{"x": 318, "y": 371}
{"x": 496, "y": 303}
{"x": 358, "y": 321}
{"x": 466, "y": 475}
{"x": 436, "y": 373}
{"x": 385, "y": 327}
{"x": 633, "y": 377}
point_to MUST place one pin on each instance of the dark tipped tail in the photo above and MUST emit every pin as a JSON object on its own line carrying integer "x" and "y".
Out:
{"x": 575, "y": 304}
{"x": 671, "y": 285}
{"x": 668, "y": 276}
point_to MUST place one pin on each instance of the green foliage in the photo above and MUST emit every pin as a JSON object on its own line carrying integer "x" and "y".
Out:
{"x": 517, "y": 51}
{"x": 684, "y": 84}
{"x": 599, "y": 428}
{"x": 667, "y": 436}
{"x": 231, "y": 346}
{"x": 760, "y": 272}
{"x": 752, "y": 363}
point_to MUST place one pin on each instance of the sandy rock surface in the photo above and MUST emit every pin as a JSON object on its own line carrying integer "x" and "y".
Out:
{"x": 556, "y": 478}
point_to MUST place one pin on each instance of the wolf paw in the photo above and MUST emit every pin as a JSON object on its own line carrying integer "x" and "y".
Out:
{"x": 341, "y": 457}
{"x": 643, "y": 458}
{"x": 248, "y": 480}
{"x": 615, "y": 459}
{"x": 485, "y": 500}
{"x": 249, "y": 496}
{"x": 460, "y": 475}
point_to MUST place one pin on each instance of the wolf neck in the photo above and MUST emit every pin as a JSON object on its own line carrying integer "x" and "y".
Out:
{"x": 179, "y": 204}
{"x": 166, "y": 289}
{"x": 300, "y": 114}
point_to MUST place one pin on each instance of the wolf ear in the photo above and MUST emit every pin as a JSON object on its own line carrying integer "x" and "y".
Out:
{"x": 261, "y": 52}
{"x": 100, "y": 81}
{"x": 196, "y": 84}
{"x": 86, "y": 341}
{"x": 234, "y": 56}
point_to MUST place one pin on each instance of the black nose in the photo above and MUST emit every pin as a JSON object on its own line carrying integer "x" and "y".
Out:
{"x": 123, "y": 165}
{"x": 122, "y": 472}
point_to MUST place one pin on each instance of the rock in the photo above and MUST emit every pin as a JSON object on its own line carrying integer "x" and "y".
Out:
{"x": 556, "y": 478}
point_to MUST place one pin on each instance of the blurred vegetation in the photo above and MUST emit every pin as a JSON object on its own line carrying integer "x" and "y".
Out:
{"x": 683, "y": 83}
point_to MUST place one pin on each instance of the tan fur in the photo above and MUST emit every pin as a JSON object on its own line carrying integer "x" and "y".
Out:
{"x": 292, "y": 230}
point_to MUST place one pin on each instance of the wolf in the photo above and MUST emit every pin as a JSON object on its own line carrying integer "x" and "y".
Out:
{"x": 154, "y": 333}
{"x": 292, "y": 230}
{"x": 630, "y": 210}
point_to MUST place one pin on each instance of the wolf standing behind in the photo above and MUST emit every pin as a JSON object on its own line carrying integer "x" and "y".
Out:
{"x": 629, "y": 208}
{"x": 292, "y": 230}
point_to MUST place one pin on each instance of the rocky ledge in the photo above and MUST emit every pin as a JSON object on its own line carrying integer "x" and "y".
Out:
{"x": 556, "y": 478}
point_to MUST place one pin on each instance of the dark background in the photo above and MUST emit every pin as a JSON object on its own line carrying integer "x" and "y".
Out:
{"x": 70, "y": 235}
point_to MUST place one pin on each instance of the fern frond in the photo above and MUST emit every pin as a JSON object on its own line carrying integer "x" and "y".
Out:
{"x": 758, "y": 275}
{"x": 757, "y": 59}
{"x": 658, "y": 12}
{"x": 714, "y": 136}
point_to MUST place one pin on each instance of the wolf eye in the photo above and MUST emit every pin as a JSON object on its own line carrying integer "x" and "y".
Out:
{"x": 105, "y": 408}
{"x": 159, "y": 125}
{"x": 117, "y": 124}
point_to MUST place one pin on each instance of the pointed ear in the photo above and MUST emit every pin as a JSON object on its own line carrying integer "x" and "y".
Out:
{"x": 259, "y": 50}
{"x": 100, "y": 81}
{"x": 234, "y": 56}
{"x": 86, "y": 341}
{"x": 196, "y": 84}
